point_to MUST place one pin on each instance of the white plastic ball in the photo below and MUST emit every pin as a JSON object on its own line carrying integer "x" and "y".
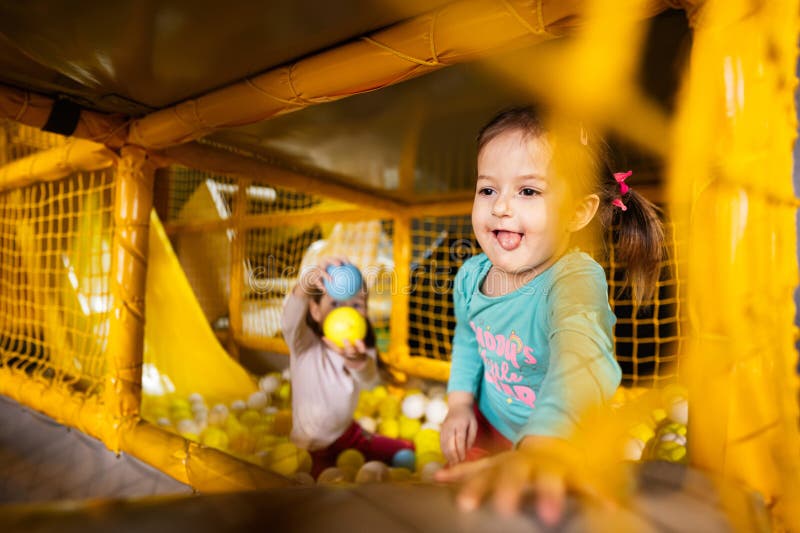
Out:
{"x": 257, "y": 400}
{"x": 270, "y": 410}
{"x": 332, "y": 476}
{"x": 286, "y": 374}
{"x": 201, "y": 417}
{"x": 633, "y": 450}
{"x": 431, "y": 425}
{"x": 414, "y": 406}
{"x": 436, "y": 411}
{"x": 673, "y": 437}
{"x": 372, "y": 472}
{"x": 269, "y": 383}
{"x": 196, "y": 398}
{"x": 218, "y": 414}
{"x": 238, "y": 406}
{"x": 187, "y": 426}
{"x": 679, "y": 411}
{"x": 303, "y": 478}
{"x": 429, "y": 470}
{"x": 368, "y": 424}
{"x": 163, "y": 421}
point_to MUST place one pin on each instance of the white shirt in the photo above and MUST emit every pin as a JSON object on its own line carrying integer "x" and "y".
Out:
{"x": 324, "y": 391}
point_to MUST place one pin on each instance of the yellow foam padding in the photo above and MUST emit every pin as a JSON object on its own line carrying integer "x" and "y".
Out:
{"x": 178, "y": 340}
{"x": 76, "y": 155}
{"x": 454, "y": 33}
{"x": 34, "y": 109}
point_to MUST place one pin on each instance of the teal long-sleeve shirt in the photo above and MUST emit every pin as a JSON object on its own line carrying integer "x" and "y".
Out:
{"x": 537, "y": 357}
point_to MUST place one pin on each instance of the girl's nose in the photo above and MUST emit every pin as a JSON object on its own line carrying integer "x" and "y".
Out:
{"x": 501, "y": 207}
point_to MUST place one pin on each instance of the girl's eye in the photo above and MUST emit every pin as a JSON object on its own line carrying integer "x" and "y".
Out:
{"x": 485, "y": 191}
{"x": 527, "y": 191}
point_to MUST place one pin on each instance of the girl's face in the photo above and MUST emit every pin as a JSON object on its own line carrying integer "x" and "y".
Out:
{"x": 319, "y": 310}
{"x": 520, "y": 214}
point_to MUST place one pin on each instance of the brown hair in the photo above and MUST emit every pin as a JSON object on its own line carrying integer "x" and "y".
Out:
{"x": 587, "y": 158}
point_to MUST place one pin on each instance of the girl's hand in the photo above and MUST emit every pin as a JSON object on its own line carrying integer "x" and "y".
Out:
{"x": 459, "y": 428}
{"x": 314, "y": 276}
{"x": 354, "y": 354}
{"x": 543, "y": 466}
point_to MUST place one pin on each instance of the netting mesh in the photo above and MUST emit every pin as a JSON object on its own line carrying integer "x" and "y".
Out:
{"x": 55, "y": 255}
{"x": 283, "y": 231}
{"x": 21, "y": 141}
{"x": 440, "y": 245}
{"x": 647, "y": 343}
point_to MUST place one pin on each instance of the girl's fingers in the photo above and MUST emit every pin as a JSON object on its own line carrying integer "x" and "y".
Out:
{"x": 510, "y": 484}
{"x": 463, "y": 471}
{"x": 460, "y": 437}
{"x": 360, "y": 346}
{"x": 475, "y": 489}
{"x": 472, "y": 432}
{"x": 550, "y": 496}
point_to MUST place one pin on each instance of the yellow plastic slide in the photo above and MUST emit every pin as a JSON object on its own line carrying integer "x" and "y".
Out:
{"x": 182, "y": 355}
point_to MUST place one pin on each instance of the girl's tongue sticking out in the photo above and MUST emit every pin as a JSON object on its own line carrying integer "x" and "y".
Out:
{"x": 509, "y": 240}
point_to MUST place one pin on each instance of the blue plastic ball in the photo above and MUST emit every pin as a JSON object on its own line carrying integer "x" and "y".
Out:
{"x": 405, "y": 459}
{"x": 345, "y": 281}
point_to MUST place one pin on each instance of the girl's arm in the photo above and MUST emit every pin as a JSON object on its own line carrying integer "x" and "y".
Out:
{"x": 293, "y": 320}
{"x": 582, "y": 370}
{"x": 466, "y": 368}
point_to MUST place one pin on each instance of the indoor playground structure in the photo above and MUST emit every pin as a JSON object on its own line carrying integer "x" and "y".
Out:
{"x": 167, "y": 169}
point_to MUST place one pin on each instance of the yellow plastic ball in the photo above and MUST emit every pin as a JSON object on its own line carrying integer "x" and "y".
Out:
{"x": 284, "y": 459}
{"x": 409, "y": 427}
{"x": 400, "y": 474}
{"x": 389, "y": 428}
{"x": 250, "y": 418}
{"x": 350, "y": 459}
{"x": 344, "y": 323}
{"x": 285, "y": 391}
{"x": 304, "y": 461}
{"x": 389, "y": 407}
{"x": 427, "y": 440}
{"x": 670, "y": 451}
{"x": 429, "y": 457}
{"x": 643, "y": 432}
{"x": 214, "y": 437}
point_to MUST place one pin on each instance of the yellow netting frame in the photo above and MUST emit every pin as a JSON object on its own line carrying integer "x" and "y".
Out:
{"x": 73, "y": 237}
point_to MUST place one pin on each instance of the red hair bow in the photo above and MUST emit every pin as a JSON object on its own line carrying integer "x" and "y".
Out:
{"x": 620, "y": 177}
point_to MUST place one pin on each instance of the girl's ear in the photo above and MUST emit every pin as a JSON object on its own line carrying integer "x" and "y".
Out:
{"x": 584, "y": 212}
{"x": 315, "y": 310}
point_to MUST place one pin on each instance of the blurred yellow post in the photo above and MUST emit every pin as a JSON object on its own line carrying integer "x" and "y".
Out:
{"x": 132, "y": 204}
{"x": 730, "y": 181}
{"x": 398, "y": 320}
{"x": 238, "y": 243}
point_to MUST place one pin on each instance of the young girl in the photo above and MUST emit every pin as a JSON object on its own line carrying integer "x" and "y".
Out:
{"x": 533, "y": 345}
{"x": 326, "y": 379}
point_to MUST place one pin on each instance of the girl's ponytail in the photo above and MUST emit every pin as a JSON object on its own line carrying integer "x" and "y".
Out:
{"x": 639, "y": 236}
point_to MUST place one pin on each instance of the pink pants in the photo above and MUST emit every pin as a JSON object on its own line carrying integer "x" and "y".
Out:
{"x": 488, "y": 441}
{"x": 374, "y": 447}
